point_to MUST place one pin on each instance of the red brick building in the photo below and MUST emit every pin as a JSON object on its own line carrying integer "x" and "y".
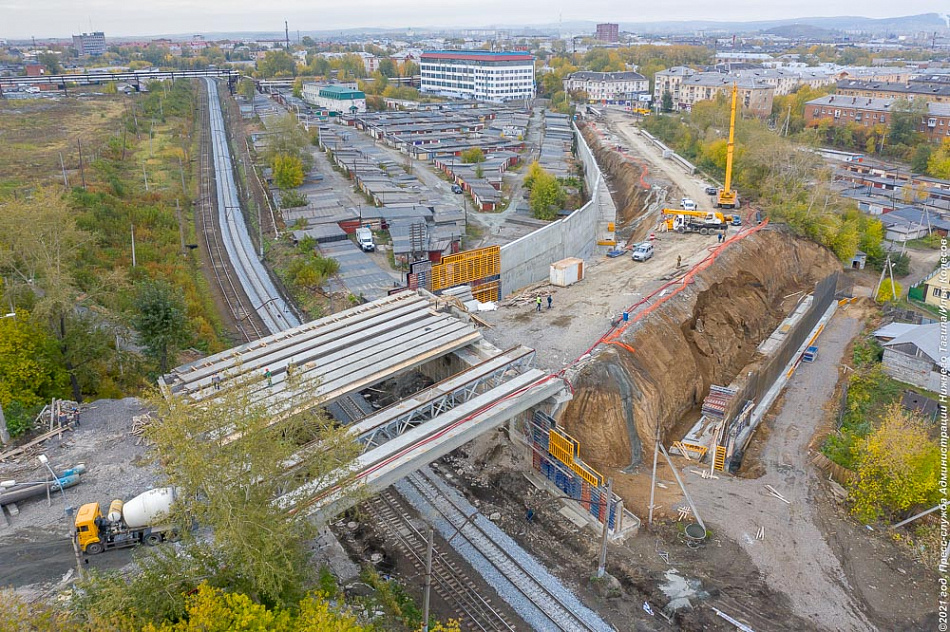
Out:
{"x": 869, "y": 111}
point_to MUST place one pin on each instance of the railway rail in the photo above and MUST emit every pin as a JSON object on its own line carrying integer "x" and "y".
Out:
{"x": 266, "y": 301}
{"x": 551, "y": 611}
{"x": 449, "y": 580}
{"x": 249, "y": 325}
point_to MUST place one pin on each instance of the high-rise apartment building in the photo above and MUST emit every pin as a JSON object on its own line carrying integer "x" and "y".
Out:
{"x": 90, "y": 43}
{"x": 608, "y": 32}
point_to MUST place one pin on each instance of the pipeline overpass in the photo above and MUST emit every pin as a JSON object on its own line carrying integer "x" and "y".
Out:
{"x": 136, "y": 78}
{"x": 476, "y": 388}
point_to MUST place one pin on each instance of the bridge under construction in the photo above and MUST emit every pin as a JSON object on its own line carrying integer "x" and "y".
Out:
{"x": 475, "y": 386}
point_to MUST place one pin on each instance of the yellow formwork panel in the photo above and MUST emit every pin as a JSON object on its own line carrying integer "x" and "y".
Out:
{"x": 487, "y": 292}
{"x": 466, "y": 267}
{"x": 565, "y": 449}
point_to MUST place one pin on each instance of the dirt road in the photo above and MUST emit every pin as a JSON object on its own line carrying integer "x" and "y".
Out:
{"x": 794, "y": 557}
{"x": 629, "y": 137}
{"x": 583, "y": 312}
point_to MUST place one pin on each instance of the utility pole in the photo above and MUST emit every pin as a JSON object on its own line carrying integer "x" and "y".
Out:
{"x": 63, "y": 167}
{"x": 133, "y": 245}
{"x": 656, "y": 454}
{"x": 181, "y": 170}
{"x": 82, "y": 173}
{"x": 181, "y": 227}
{"x": 425, "y": 601}
{"x": 602, "y": 565}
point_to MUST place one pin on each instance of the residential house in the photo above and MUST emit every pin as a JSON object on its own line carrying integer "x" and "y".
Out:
{"x": 937, "y": 289}
{"x": 914, "y": 357}
{"x": 610, "y": 87}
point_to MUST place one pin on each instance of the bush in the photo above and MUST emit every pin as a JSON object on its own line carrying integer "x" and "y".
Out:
{"x": 20, "y": 418}
{"x": 293, "y": 199}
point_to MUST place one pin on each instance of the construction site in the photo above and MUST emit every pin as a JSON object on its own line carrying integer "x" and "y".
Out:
{"x": 617, "y": 445}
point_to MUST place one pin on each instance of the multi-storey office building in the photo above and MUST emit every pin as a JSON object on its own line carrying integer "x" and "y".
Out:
{"x": 479, "y": 75}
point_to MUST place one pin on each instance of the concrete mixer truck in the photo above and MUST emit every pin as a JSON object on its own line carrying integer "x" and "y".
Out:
{"x": 142, "y": 520}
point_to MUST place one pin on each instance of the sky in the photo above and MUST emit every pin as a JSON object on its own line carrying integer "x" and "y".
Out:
{"x": 117, "y": 18}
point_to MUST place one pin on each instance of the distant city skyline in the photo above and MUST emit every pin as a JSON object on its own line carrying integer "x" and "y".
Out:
{"x": 62, "y": 18}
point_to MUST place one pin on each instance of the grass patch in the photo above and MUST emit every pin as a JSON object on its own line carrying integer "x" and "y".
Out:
{"x": 34, "y": 133}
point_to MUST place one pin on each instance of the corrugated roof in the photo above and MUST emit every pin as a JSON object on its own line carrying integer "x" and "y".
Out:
{"x": 927, "y": 339}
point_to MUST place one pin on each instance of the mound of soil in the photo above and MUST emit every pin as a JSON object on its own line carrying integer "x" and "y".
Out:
{"x": 705, "y": 335}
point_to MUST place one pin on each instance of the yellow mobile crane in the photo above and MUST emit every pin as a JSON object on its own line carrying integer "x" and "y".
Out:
{"x": 728, "y": 198}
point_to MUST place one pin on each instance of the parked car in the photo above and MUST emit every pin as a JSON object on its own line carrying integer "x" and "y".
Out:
{"x": 736, "y": 220}
{"x": 456, "y": 189}
{"x": 687, "y": 204}
{"x": 642, "y": 251}
{"x": 712, "y": 190}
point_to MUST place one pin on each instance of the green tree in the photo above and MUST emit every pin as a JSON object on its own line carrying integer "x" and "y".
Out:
{"x": 288, "y": 171}
{"x": 29, "y": 371}
{"x": 387, "y": 68}
{"x": 40, "y": 245}
{"x": 228, "y": 456}
{"x": 50, "y": 61}
{"x": 247, "y": 89}
{"x": 288, "y": 137}
{"x": 473, "y": 155}
{"x": 919, "y": 162}
{"x": 547, "y": 196}
{"x": 277, "y": 63}
{"x": 898, "y": 468}
{"x": 905, "y": 118}
{"x": 666, "y": 102}
{"x": 160, "y": 321}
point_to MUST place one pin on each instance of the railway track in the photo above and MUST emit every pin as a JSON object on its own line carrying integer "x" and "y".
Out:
{"x": 266, "y": 308}
{"x": 265, "y": 300}
{"x": 449, "y": 581}
{"x": 551, "y": 611}
{"x": 248, "y": 323}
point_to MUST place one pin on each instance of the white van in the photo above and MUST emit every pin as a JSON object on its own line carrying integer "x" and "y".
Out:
{"x": 364, "y": 237}
{"x": 642, "y": 251}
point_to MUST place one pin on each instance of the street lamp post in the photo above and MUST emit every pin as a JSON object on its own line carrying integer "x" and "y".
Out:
{"x": 67, "y": 510}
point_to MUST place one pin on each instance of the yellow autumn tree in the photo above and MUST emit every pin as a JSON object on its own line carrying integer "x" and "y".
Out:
{"x": 213, "y": 610}
{"x": 288, "y": 171}
{"x": 897, "y": 466}
{"x": 887, "y": 291}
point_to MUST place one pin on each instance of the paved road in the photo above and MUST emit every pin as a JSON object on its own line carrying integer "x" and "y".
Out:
{"x": 794, "y": 557}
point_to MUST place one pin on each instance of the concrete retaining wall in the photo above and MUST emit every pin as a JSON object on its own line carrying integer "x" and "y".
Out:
{"x": 528, "y": 260}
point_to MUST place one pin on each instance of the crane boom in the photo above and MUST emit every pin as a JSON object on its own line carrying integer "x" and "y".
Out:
{"x": 727, "y": 197}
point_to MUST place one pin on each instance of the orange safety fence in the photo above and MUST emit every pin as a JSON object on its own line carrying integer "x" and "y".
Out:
{"x": 678, "y": 285}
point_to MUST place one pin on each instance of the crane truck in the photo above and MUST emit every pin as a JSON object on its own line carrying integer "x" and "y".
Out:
{"x": 728, "y": 197}
{"x": 138, "y": 521}
{"x": 702, "y": 222}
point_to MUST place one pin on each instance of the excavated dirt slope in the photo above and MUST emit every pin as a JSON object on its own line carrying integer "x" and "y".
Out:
{"x": 705, "y": 335}
{"x": 625, "y": 186}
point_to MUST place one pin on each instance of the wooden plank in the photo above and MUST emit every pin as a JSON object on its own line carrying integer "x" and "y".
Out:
{"x": 40, "y": 439}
